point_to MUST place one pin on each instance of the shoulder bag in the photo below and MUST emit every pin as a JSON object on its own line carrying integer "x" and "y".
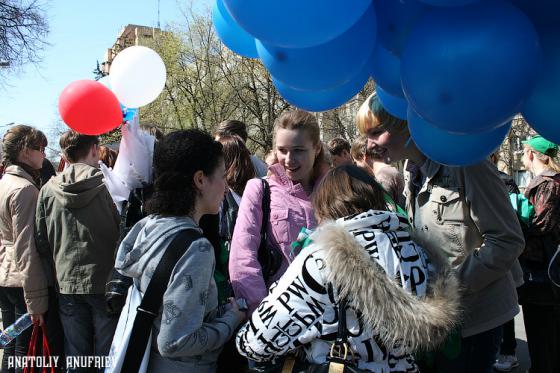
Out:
{"x": 130, "y": 349}
{"x": 269, "y": 257}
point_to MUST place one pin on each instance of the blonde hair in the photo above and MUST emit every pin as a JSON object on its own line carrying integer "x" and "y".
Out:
{"x": 372, "y": 114}
{"x": 547, "y": 160}
{"x": 364, "y": 118}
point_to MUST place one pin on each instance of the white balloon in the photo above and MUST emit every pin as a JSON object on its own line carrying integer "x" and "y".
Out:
{"x": 137, "y": 76}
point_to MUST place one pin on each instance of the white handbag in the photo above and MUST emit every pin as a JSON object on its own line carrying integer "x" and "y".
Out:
{"x": 123, "y": 332}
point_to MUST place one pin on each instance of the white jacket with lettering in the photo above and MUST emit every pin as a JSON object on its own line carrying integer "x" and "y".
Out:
{"x": 396, "y": 305}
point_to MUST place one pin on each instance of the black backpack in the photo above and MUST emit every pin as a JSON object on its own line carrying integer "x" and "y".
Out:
{"x": 117, "y": 285}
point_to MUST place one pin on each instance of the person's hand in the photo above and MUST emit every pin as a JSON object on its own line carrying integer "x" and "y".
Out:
{"x": 235, "y": 307}
{"x": 37, "y": 319}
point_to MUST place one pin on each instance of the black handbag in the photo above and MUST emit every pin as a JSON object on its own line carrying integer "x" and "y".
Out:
{"x": 269, "y": 257}
{"x": 132, "y": 211}
{"x": 148, "y": 309}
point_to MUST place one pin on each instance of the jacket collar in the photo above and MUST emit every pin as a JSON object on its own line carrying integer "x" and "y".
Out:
{"x": 429, "y": 168}
{"x": 20, "y": 172}
{"x": 413, "y": 174}
{"x": 279, "y": 174}
{"x": 539, "y": 179}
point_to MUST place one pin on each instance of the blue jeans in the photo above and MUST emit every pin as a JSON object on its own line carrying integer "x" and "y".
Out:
{"x": 477, "y": 355}
{"x": 13, "y": 306}
{"x": 88, "y": 328}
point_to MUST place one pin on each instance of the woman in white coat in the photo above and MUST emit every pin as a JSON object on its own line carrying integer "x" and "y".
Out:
{"x": 397, "y": 302}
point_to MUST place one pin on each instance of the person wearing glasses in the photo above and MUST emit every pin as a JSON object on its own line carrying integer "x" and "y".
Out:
{"x": 23, "y": 285}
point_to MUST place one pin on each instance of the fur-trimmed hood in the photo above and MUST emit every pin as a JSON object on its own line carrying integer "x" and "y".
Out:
{"x": 365, "y": 254}
{"x": 397, "y": 304}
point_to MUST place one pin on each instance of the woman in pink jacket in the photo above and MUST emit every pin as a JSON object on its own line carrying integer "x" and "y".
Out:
{"x": 300, "y": 164}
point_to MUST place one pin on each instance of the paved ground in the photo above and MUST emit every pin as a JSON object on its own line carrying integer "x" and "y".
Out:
{"x": 522, "y": 352}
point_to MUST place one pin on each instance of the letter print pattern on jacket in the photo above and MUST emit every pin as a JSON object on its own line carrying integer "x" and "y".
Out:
{"x": 301, "y": 309}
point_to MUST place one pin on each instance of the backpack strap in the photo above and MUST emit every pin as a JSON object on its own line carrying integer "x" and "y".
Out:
{"x": 148, "y": 309}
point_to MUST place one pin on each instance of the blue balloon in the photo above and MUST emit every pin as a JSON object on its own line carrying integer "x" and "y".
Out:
{"x": 296, "y": 23}
{"x": 449, "y": 2}
{"x": 324, "y": 99}
{"x": 542, "y": 109}
{"x": 321, "y": 100}
{"x": 396, "y": 106}
{"x": 231, "y": 34}
{"x": 395, "y": 19}
{"x": 386, "y": 71}
{"x": 543, "y": 13}
{"x": 461, "y": 67}
{"x": 128, "y": 113}
{"x": 324, "y": 66}
{"x": 454, "y": 149}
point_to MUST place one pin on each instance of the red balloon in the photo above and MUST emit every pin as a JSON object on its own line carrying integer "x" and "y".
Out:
{"x": 90, "y": 108}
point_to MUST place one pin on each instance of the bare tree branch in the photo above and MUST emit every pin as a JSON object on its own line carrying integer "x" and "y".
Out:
{"x": 23, "y": 32}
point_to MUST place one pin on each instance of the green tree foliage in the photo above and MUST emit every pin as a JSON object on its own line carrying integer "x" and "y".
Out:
{"x": 207, "y": 83}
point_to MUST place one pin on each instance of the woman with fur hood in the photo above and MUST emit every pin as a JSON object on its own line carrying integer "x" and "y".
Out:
{"x": 396, "y": 302}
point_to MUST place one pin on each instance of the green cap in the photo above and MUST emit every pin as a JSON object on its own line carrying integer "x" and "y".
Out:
{"x": 542, "y": 145}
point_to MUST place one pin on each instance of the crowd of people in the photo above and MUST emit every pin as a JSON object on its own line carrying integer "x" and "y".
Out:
{"x": 325, "y": 254}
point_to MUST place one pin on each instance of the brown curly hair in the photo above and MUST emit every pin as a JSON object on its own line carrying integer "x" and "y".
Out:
{"x": 178, "y": 156}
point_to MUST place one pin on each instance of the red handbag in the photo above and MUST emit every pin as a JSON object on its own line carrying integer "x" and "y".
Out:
{"x": 45, "y": 352}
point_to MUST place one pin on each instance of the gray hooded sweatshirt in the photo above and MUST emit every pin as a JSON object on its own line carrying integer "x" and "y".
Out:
{"x": 190, "y": 331}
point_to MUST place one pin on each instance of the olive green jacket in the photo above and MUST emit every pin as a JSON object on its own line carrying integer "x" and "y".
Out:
{"x": 465, "y": 213}
{"x": 77, "y": 228}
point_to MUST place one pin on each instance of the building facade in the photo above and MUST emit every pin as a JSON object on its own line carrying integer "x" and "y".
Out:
{"x": 129, "y": 35}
